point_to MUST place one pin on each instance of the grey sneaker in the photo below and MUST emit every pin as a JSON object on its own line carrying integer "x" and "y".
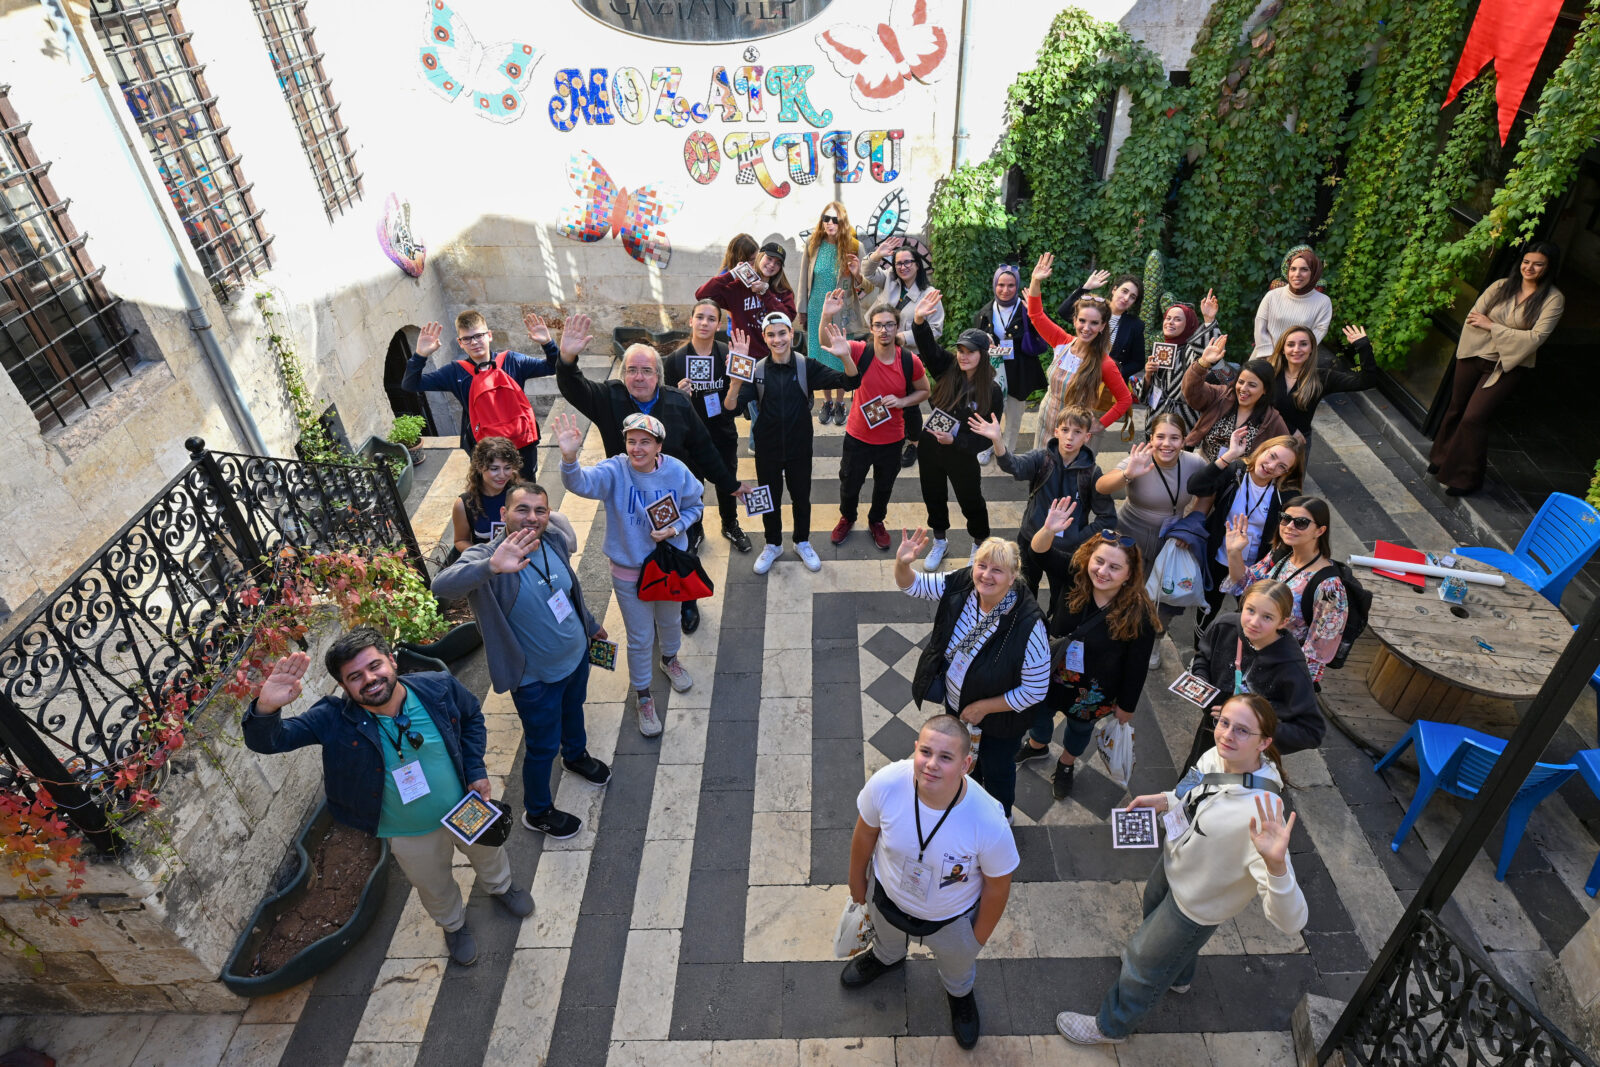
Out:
{"x": 678, "y": 675}
{"x": 649, "y": 721}
{"x": 462, "y": 945}
{"x": 1083, "y": 1030}
{"x": 516, "y": 900}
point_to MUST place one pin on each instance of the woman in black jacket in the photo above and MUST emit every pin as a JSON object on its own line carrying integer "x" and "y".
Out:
{"x": 1101, "y": 636}
{"x": 1252, "y": 651}
{"x": 1254, "y": 488}
{"x": 1302, "y": 385}
{"x": 1126, "y": 328}
{"x": 964, "y": 387}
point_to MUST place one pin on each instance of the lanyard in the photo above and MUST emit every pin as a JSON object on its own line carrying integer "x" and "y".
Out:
{"x": 916, "y": 809}
{"x": 545, "y": 574}
{"x": 1285, "y": 560}
{"x": 399, "y": 753}
{"x": 1172, "y": 490}
{"x": 1250, "y": 508}
{"x": 1003, "y": 327}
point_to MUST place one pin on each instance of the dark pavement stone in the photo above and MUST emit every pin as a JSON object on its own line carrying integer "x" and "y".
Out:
{"x": 594, "y": 967}
{"x": 1097, "y": 792}
{"x": 1260, "y": 991}
{"x": 1340, "y": 952}
{"x": 1033, "y": 789}
{"x": 727, "y": 1002}
{"x": 1084, "y": 854}
{"x": 892, "y": 690}
{"x": 1550, "y": 905}
{"x": 730, "y": 756}
{"x": 627, "y": 802}
{"x": 835, "y": 782}
{"x": 888, "y": 645}
{"x": 729, "y": 848}
{"x": 463, "y": 1015}
{"x": 735, "y": 697}
{"x": 927, "y": 1005}
{"x": 836, "y": 670}
{"x": 1378, "y": 821}
{"x": 891, "y": 605}
{"x": 613, "y": 871}
{"x": 836, "y": 712}
{"x": 895, "y": 739}
{"x": 582, "y": 1035}
{"x": 815, "y": 1004}
{"x": 830, "y": 856}
{"x": 741, "y": 651}
{"x": 325, "y": 1029}
{"x": 713, "y": 921}
{"x": 1407, "y": 868}
{"x": 1325, "y": 910}
{"x": 1340, "y": 986}
{"x": 1037, "y": 854}
{"x": 1037, "y": 989}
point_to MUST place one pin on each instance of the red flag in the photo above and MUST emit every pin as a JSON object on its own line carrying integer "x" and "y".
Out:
{"x": 1513, "y": 34}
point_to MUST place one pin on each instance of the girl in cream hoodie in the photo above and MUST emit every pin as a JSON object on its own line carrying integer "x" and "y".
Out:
{"x": 1230, "y": 846}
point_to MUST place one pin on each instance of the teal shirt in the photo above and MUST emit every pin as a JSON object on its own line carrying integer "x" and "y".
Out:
{"x": 445, "y": 790}
{"x": 551, "y": 650}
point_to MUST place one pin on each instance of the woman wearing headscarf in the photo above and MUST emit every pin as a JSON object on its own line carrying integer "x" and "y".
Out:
{"x": 1015, "y": 347}
{"x": 1293, "y": 300}
{"x": 831, "y": 261}
{"x": 1161, "y": 388}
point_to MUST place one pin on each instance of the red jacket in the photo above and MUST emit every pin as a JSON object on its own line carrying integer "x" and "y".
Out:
{"x": 1054, "y": 335}
{"x": 745, "y": 308}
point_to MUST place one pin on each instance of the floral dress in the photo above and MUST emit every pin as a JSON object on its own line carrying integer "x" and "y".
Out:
{"x": 824, "y": 277}
{"x": 1320, "y": 640}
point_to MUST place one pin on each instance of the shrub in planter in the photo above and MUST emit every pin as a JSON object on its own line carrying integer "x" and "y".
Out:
{"x": 407, "y": 431}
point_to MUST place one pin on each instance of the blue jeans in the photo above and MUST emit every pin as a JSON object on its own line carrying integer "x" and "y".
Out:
{"x": 552, "y": 721}
{"x": 1161, "y": 954}
{"x": 1075, "y": 738}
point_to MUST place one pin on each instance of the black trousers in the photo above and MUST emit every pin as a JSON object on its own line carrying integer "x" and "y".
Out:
{"x": 940, "y": 463}
{"x": 913, "y": 423}
{"x": 1214, "y": 598}
{"x": 772, "y": 472}
{"x": 728, "y": 449}
{"x": 1036, "y": 565}
{"x": 858, "y": 458}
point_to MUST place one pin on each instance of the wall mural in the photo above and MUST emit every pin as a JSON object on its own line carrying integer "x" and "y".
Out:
{"x": 492, "y": 75}
{"x": 879, "y": 60}
{"x": 606, "y": 208}
{"x": 888, "y": 220}
{"x": 396, "y": 239}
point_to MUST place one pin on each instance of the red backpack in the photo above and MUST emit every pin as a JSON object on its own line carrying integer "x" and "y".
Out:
{"x": 497, "y": 406}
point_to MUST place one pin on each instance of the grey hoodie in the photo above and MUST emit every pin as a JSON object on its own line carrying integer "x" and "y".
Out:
{"x": 626, "y": 493}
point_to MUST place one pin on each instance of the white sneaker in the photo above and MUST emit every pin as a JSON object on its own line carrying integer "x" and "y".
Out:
{"x": 986, "y": 457}
{"x": 808, "y": 555}
{"x": 768, "y": 557}
{"x": 1083, "y": 1030}
{"x": 678, "y": 675}
{"x": 649, "y": 721}
{"x": 1155, "y": 655}
{"x": 936, "y": 557}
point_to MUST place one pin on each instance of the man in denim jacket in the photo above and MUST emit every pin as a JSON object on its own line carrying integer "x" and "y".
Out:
{"x": 396, "y": 757}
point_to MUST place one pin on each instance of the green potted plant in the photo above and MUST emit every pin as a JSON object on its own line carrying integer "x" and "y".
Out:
{"x": 407, "y": 430}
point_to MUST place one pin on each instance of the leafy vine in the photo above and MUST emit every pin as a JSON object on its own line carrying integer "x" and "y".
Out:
{"x": 314, "y": 443}
{"x": 970, "y": 235}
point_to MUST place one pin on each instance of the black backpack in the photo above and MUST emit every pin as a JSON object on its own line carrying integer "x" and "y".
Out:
{"x": 1358, "y": 599}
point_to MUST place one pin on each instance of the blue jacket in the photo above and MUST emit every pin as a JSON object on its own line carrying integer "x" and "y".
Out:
{"x": 452, "y": 379}
{"x": 352, "y": 761}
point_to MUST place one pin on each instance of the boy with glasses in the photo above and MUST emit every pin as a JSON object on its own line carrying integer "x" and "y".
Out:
{"x": 473, "y": 335}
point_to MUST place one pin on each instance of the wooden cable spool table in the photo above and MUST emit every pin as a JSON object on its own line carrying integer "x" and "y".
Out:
{"x": 1430, "y": 662}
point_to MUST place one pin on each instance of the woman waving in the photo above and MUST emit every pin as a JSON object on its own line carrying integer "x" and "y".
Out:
{"x": 1222, "y": 409}
{"x": 1302, "y": 385}
{"x": 1082, "y": 361}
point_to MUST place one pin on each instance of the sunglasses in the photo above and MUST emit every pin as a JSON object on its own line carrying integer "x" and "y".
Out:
{"x": 403, "y": 721}
{"x": 1299, "y": 522}
{"x": 1111, "y": 537}
{"x": 830, "y": 218}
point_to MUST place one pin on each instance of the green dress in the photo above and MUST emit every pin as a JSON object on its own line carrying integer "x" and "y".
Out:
{"x": 824, "y": 278}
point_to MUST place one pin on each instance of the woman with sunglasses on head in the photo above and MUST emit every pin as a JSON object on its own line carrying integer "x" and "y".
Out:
{"x": 1101, "y": 636}
{"x": 1016, "y": 344}
{"x": 1125, "y": 330}
{"x": 1161, "y": 388}
{"x": 1500, "y": 340}
{"x": 903, "y": 277}
{"x": 1254, "y": 488}
{"x": 831, "y": 261}
{"x": 1302, "y": 385}
{"x": 1302, "y": 559}
{"x": 1082, "y": 362}
{"x": 1252, "y": 651}
{"x": 1246, "y": 404}
{"x": 1293, "y": 300}
{"x": 1230, "y": 849}
{"x": 747, "y": 305}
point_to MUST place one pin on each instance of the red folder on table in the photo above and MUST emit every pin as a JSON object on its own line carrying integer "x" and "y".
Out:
{"x": 1399, "y": 553}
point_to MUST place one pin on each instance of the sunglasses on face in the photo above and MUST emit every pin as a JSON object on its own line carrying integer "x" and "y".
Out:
{"x": 1111, "y": 537}
{"x": 830, "y": 218}
{"x": 1299, "y": 522}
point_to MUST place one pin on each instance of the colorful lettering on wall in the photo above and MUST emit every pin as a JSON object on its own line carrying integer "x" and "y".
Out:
{"x": 790, "y": 85}
{"x": 670, "y": 108}
{"x": 579, "y": 97}
{"x": 630, "y": 94}
{"x": 870, "y": 147}
{"x": 800, "y": 150}
{"x": 836, "y": 146}
{"x": 733, "y": 96}
{"x": 492, "y": 76}
{"x": 750, "y": 150}
{"x": 880, "y": 60}
{"x": 606, "y": 208}
{"x": 701, "y": 157}
{"x": 396, "y": 239}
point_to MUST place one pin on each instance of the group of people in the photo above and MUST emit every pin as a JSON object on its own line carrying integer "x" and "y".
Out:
{"x": 1218, "y": 471}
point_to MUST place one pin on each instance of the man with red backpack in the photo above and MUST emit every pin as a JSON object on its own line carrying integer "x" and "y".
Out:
{"x": 488, "y": 385}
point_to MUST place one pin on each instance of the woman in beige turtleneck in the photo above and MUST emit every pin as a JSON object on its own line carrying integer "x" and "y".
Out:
{"x": 1502, "y": 335}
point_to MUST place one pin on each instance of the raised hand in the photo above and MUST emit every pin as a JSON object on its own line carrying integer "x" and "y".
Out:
{"x": 282, "y": 686}
{"x": 852, "y": 263}
{"x": 568, "y": 437}
{"x": 1215, "y": 350}
{"x": 428, "y": 339}
{"x": 927, "y": 305}
{"x": 1096, "y": 279}
{"x": 833, "y": 303}
{"x": 1042, "y": 269}
{"x": 912, "y": 545}
{"x": 1354, "y": 334}
{"x": 835, "y": 341}
{"x": 575, "y": 336}
{"x": 739, "y": 344}
{"x": 1141, "y": 460}
{"x": 989, "y": 428}
{"x": 1059, "y": 517}
{"x": 511, "y": 554}
{"x": 1238, "y": 441}
{"x": 1208, "y": 306}
{"x": 538, "y": 330}
{"x": 1270, "y": 833}
{"x": 1236, "y": 536}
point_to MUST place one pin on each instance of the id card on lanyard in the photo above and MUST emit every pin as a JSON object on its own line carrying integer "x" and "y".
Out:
{"x": 1239, "y": 683}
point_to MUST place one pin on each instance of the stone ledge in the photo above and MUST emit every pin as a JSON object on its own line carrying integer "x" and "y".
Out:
{"x": 1311, "y": 1023}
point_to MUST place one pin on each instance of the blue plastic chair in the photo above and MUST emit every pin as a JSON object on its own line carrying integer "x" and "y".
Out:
{"x": 1458, "y": 760}
{"x": 1559, "y": 541}
{"x": 1589, "y": 766}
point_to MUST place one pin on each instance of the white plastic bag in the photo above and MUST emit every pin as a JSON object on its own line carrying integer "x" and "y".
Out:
{"x": 1175, "y": 579}
{"x": 855, "y": 930}
{"x": 1113, "y": 739}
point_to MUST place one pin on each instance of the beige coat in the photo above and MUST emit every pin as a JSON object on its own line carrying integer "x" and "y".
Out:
{"x": 1505, "y": 343}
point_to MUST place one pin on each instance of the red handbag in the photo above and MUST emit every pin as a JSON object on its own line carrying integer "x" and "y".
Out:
{"x": 673, "y": 574}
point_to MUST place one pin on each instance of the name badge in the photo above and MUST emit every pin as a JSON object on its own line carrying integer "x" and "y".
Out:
{"x": 713, "y": 405}
{"x": 560, "y": 606}
{"x": 1004, "y": 349}
{"x": 1175, "y": 823}
{"x": 957, "y": 673}
{"x": 411, "y": 782}
{"x": 1074, "y": 657}
{"x": 1156, "y": 396}
{"x": 916, "y": 880}
{"x": 1067, "y": 360}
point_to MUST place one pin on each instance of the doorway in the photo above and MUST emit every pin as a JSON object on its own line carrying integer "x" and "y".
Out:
{"x": 402, "y": 402}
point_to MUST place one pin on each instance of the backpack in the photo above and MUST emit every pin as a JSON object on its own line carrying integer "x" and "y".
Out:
{"x": 497, "y": 406}
{"x": 799, "y": 373}
{"x": 1358, "y": 601}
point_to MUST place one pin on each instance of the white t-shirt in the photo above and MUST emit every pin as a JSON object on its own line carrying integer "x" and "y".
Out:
{"x": 974, "y": 841}
{"x": 1253, "y": 502}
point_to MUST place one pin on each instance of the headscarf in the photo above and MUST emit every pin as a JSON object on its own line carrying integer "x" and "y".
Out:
{"x": 1006, "y": 268}
{"x": 1311, "y": 257}
{"x": 1191, "y": 323}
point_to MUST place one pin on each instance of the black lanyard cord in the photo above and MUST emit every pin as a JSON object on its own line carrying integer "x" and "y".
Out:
{"x": 545, "y": 574}
{"x": 916, "y": 809}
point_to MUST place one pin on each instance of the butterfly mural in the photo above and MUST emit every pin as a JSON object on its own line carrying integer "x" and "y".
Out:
{"x": 607, "y": 208}
{"x": 888, "y": 220}
{"x": 879, "y": 60}
{"x": 492, "y": 75}
{"x": 396, "y": 240}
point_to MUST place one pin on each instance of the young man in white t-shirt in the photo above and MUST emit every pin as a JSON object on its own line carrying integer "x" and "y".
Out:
{"x": 941, "y": 858}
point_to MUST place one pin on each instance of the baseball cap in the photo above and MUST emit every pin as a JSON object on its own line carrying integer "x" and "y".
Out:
{"x": 648, "y": 423}
{"x": 775, "y": 318}
{"x": 975, "y": 339}
{"x": 775, "y": 250}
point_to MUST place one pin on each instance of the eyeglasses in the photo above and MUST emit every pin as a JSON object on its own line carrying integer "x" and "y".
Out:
{"x": 403, "y": 722}
{"x": 475, "y": 338}
{"x": 1235, "y": 730}
{"x": 888, "y": 326}
{"x": 830, "y": 218}
{"x": 1299, "y": 522}
{"x": 1114, "y": 538}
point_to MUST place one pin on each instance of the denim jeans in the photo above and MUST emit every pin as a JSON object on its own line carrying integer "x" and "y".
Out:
{"x": 1161, "y": 954}
{"x": 1075, "y": 738}
{"x": 552, "y": 721}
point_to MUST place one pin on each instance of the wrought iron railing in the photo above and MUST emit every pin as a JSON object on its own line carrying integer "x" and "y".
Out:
{"x": 156, "y": 609}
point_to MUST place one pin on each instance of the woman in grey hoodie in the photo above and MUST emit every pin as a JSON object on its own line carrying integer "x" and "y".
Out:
{"x": 629, "y": 486}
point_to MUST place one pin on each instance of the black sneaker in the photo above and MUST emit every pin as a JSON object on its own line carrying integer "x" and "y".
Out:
{"x": 737, "y": 536}
{"x": 589, "y": 767}
{"x": 908, "y": 458}
{"x": 1061, "y": 780}
{"x": 691, "y": 617}
{"x": 553, "y": 824}
{"x": 865, "y": 967}
{"x": 964, "y": 1019}
{"x": 1026, "y": 752}
{"x": 697, "y": 537}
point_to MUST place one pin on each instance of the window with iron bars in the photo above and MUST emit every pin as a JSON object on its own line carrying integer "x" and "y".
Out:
{"x": 61, "y": 340}
{"x": 306, "y": 88}
{"x": 164, "y": 88}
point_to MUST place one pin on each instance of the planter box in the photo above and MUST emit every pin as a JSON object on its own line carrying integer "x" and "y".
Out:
{"x": 319, "y": 955}
{"x": 383, "y": 450}
{"x": 460, "y": 640}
